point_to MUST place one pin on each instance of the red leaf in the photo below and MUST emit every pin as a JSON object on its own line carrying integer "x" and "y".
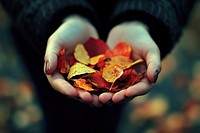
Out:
{"x": 97, "y": 80}
{"x": 61, "y": 59}
{"x": 96, "y": 47}
{"x": 71, "y": 60}
{"x": 63, "y": 65}
{"x": 129, "y": 78}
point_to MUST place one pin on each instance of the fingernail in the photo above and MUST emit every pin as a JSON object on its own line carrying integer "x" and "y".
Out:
{"x": 47, "y": 67}
{"x": 155, "y": 76}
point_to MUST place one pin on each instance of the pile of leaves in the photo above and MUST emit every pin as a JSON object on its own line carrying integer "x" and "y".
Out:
{"x": 95, "y": 68}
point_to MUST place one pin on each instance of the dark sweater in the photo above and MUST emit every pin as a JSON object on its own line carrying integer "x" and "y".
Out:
{"x": 37, "y": 19}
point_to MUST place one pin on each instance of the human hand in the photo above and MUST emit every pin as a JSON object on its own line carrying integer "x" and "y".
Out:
{"x": 73, "y": 30}
{"x": 136, "y": 34}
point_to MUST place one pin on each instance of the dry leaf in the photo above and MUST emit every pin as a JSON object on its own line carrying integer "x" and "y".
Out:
{"x": 79, "y": 69}
{"x": 122, "y": 49}
{"x": 81, "y": 83}
{"x": 93, "y": 67}
{"x": 96, "y": 47}
{"x": 94, "y": 60}
{"x": 81, "y": 54}
{"x": 97, "y": 80}
{"x": 112, "y": 72}
{"x": 63, "y": 65}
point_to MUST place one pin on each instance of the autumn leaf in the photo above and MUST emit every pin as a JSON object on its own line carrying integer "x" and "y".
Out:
{"x": 102, "y": 62}
{"x": 124, "y": 62}
{"x": 129, "y": 78}
{"x": 79, "y": 69}
{"x": 81, "y": 54}
{"x": 114, "y": 68}
{"x": 95, "y": 59}
{"x": 62, "y": 63}
{"x": 121, "y": 61}
{"x": 96, "y": 47}
{"x": 61, "y": 59}
{"x": 93, "y": 67}
{"x": 81, "y": 83}
{"x": 65, "y": 69}
{"x": 70, "y": 60}
{"x": 112, "y": 72}
{"x": 122, "y": 49}
{"x": 97, "y": 80}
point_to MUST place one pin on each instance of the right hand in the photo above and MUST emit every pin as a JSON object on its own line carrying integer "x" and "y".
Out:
{"x": 73, "y": 30}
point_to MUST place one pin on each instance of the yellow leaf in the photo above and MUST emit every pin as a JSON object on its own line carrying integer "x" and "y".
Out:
{"x": 81, "y": 54}
{"x": 112, "y": 72}
{"x": 116, "y": 66}
{"x": 94, "y": 60}
{"x": 121, "y": 61}
{"x": 78, "y": 69}
{"x": 124, "y": 62}
{"x": 135, "y": 62}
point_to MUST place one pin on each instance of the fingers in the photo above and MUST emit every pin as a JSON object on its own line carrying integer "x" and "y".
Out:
{"x": 119, "y": 96}
{"x": 84, "y": 95}
{"x": 58, "y": 82}
{"x": 105, "y": 97}
{"x": 140, "y": 88}
{"x": 153, "y": 64}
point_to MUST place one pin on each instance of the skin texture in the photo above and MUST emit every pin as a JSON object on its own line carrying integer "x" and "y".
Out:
{"x": 76, "y": 29}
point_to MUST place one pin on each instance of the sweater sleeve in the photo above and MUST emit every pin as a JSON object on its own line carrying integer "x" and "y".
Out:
{"x": 165, "y": 18}
{"x": 36, "y": 20}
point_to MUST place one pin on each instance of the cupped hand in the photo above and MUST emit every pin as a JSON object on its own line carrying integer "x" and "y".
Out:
{"x": 73, "y": 30}
{"x": 136, "y": 34}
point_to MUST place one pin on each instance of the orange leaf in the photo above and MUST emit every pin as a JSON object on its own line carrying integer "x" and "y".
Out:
{"x": 122, "y": 49}
{"x": 81, "y": 83}
{"x": 129, "y": 78}
{"x": 65, "y": 69}
{"x": 81, "y": 54}
{"x": 63, "y": 66}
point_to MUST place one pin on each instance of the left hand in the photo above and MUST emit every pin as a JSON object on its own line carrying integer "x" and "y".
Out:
{"x": 136, "y": 34}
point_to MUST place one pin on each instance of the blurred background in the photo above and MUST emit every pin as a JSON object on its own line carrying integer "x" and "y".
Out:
{"x": 173, "y": 105}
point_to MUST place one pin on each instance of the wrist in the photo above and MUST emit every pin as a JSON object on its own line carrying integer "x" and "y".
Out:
{"x": 75, "y": 17}
{"x": 135, "y": 25}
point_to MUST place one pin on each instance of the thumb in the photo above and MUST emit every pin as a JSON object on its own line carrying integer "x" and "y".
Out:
{"x": 153, "y": 65}
{"x": 51, "y": 58}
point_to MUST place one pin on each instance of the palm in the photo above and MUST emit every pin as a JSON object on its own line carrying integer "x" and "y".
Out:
{"x": 143, "y": 47}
